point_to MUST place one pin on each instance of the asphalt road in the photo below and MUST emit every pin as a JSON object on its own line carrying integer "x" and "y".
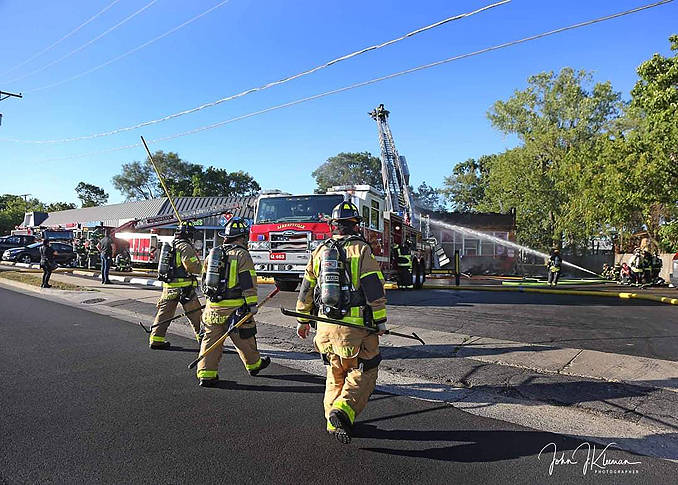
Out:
{"x": 632, "y": 327}
{"x": 84, "y": 400}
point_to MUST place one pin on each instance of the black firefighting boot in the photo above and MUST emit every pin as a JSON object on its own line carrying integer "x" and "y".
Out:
{"x": 342, "y": 425}
{"x": 159, "y": 345}
{"x": 208, "y": 382}
{"x": 265, "y": 362}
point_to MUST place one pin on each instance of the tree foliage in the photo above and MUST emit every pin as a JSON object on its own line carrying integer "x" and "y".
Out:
{"x": 14, "y": 207}
{"x": 349, "y": 169}
{"x": 91, "y": 195}
{"x": 428, "y": 197}
{"x": 465, "y": 188}
{"x": 139, "y": 181}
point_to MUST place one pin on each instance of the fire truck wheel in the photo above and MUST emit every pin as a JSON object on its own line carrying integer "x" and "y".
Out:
{"x": 286, "y": 285}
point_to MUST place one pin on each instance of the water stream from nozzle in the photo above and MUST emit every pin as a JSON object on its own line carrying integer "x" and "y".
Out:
{"x": 502, "y": 242}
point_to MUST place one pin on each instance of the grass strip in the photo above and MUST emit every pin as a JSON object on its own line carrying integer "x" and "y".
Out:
{"x": 35, "y": 280}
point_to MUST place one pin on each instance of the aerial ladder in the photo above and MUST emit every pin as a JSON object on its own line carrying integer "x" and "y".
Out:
{"x": 394, "y": 171}
{"x": 396, "y": 177}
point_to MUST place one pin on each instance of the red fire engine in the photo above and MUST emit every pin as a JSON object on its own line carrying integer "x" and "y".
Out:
{"x": 287, "y": 228}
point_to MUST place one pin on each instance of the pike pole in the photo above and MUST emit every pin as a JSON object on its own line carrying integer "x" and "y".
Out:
{"x": 315, "y": 318}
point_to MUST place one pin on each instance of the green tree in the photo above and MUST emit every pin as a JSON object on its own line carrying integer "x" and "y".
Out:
{"x": 13, "y": 209}
{"x": 428, "y": 197}
{"x": 60, "y": 206}
{"x": 465, "y": 188}
{"x": 91, "y": 195}
{"x": 654, "y": 145}
{"x": 560, "y": 119}
{"x": 216, "y": 182}
{"x": 349, "y": 169}
{"x": 137, "y": 181}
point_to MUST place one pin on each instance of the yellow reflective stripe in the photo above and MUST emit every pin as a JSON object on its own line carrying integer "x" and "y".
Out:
{"x": 343, "y": 405}
{"x": 180, "y": 283}
{"x": 253, "y": 273}
{"x": 235, "y": 303}
{"x": 193, "y": 259}
{"x": 379, "y": 314}
{"x": 330, "y": 427}
{"x": 355, "y": 268}
{"x": 252, "y": 300}
{"x": 254, "y": 366}
{"x": 155, "y": 338}
{"x": 310, "y": 279}
{"x": 369, "y": 273}
{"x": 355, "y": 311}
{"x": 357, "y": 321}
{"x": 316, "y": 265}
{"x": 233, "y": 273}
{"x": 207, "y": 374}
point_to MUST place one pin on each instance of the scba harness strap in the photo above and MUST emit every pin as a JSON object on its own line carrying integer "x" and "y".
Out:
{"x": 230, "y": 286}
{"x": 350, "y": 297}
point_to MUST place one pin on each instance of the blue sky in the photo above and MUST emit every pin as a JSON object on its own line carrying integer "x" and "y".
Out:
{"x": 437, "y": 115}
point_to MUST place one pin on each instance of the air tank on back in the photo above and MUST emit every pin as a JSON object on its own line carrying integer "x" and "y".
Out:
{"x": 330, "y": 279}
{"x": 212, "y": 277}
{"x": 165, "y": 262}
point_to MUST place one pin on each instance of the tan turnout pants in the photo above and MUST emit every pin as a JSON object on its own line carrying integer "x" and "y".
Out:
{"x": 167, "y": 306}
{"x": 247, "y": 347}
{"x": 349, "y": 386}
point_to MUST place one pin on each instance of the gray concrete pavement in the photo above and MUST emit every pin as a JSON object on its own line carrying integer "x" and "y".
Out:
{"x": 85, "y": 401}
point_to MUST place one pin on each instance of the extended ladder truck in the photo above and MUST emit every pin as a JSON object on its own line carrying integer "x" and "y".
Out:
{"x": 287, "y": 227}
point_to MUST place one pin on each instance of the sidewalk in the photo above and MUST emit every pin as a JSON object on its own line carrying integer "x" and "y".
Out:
{"x": 565, "y": 390}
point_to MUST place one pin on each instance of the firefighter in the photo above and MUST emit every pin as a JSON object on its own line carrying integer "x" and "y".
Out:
{"x": 657, "y": 264}
{"x": 178, "y": 273}
{"x": 647, "y": 267}
{"x": 354, "y": 293}
{"x": 403, "y": 256}
{"x": 123, "y": 261}
{"x": 554, "y": 265}
{"x": 637, "y": 266}
{"x": 230, "y": 285}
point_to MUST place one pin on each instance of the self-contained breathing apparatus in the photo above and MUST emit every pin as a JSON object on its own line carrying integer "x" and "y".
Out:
{"x": 335, "y": 294}
{"x": 215, "y": 280}
{"x": 168, "y": 269}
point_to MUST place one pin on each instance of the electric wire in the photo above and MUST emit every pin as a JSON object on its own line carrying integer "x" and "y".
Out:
{"x": 85, "y": 44}
{"x": 63, "y": 81}
{"x": 271, "y": 84}
{"x": 365, "y": 83}
{"x": 59, "y": 41}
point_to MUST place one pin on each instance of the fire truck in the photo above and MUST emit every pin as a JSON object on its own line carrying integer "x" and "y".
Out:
{"x": 288, "y": 228}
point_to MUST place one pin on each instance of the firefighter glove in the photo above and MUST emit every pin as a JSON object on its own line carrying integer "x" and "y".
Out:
{"x": 303, "y": 329}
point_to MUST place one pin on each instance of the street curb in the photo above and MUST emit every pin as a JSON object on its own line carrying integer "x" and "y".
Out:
{"x": 608, "y": 294}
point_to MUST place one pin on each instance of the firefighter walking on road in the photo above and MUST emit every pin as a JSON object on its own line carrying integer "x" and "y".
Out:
{"x": 178, "y": 267}
{"x": 343, "y": 281}
{"x": 554, "y": 265}
{"x": 230, "y": 286}
{"x": 403, "y": 256}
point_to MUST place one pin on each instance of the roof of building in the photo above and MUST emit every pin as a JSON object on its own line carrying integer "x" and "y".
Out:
{"x": 114, "y": 215}
{"x": 477, "y": 220}
{"x": 238, "y": 206}
{"x": 111, "y": 215}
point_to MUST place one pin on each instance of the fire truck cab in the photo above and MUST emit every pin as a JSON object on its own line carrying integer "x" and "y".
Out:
{"x": 288, "y": 228}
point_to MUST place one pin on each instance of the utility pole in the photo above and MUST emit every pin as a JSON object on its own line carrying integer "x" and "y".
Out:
{"x": 4, "y": 95}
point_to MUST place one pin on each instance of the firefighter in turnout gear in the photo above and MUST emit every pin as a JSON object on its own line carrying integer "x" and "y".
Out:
{"x": 554, "y": 264}
{"x": 403, "y": 257}
{"x": 637, "y": 266}
{"x": 343, "y": 281}
{"x": 230, "y": 285}
{"x": 178, "y": 270}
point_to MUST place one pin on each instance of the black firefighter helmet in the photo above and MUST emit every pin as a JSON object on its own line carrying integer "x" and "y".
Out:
{"x": 235, "y": 227}
{"x": 185, "y": 230}
{"x": 346, "y": 212}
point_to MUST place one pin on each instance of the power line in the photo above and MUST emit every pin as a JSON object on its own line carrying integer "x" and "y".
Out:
{"x": 129, "y": 52}
{"x": 58, "y": 41}
{"x": 365, "y": 83}
{"x": 271, "y": 84}
{"x": 86, "y": 44}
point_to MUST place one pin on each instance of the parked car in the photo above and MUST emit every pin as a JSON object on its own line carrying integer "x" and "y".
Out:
{"x": 8, "y": 242}
{"x": 65, "y": 256}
